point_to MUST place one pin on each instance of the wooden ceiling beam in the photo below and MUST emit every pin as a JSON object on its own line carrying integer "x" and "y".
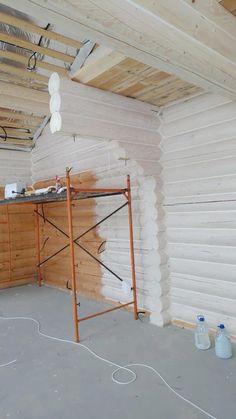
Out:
{"x": 23, "y": 117}
{"x": 29, "y": 27}
{"x": 22, "y": 81}
{"x": 228, "y": 4}
{"x": 17, "y": 124}
{"x": 100, "y": 60}
{"x": 21, "y": 123}
{"x": 30, "y": 46}
{"x": 11, "y": 132}
{"x": 147, "y": 31}
{"x": 25, "y": 74}
{"x": 16, "y": 141}
{"x": 19, "y": 104}
{"x": 13, "y": 56}
{"x": 24, "y": 93}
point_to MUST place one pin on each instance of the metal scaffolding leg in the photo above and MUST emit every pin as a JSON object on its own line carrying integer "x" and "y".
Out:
{"x": 9, "y": 244}
{"x": 72, "y": 258}
{"x": 37, "y": 239}
{"x": 131, "y": 241}
{"x": 75, "y": 242}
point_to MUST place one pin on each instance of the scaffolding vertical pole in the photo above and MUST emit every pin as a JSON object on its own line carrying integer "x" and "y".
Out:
{"x": 9, "y": 244}
{"x": 72, "y": 257}
{"x": 37, "y": 239}
{"x": 131, "y": 242}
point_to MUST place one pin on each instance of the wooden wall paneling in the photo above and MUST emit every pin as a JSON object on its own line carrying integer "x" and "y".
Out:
{"x": 17, "y": 256}
{"x": 56, "y": 272}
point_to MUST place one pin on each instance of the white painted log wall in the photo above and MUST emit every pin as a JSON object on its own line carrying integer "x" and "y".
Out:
{"x": 111, "y": 129}
{"x": 15, "y": 166}
{"x": 199, "y": 160}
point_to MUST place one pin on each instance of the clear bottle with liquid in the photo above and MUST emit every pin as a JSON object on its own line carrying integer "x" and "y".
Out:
{"x": 223, "y": 347}
{"x": 202, "y": 340}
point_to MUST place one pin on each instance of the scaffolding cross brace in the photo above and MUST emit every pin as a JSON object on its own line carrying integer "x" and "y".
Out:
{"x": 73, "y": 193}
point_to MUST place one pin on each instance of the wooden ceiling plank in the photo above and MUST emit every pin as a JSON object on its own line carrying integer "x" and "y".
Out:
{"x": 23, "y": 92}
{"x": 107, "y": 79}
{"x": 25, "y": 122}
{"x": 228, "y": 4}
{"x": 16, "y": 124}
{"x": 99, "y": 61}
{"x": 11, "y": 132}
{"x": 16, "y": 116}
{"x": 16, "y": 141}
{"x": 121, "y": 77}
{"x": 130, "y": 78}
{"x": 41, "y": 64}
{"x": 160, "y": 43}
{"x": 173, "y": 91}
{"x": 20, "y": 104}
{"x": 20, "y": 81}
{"x": 29, "y": 27}
{"x": 4, "y": 37}
{"x": 114, "y": 75}
{"x": 26, "y": 74}
{"x": 132, "y": 90}
{"x": 156, "y": 78}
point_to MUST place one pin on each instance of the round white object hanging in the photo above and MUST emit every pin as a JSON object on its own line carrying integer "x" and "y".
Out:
{"x": 55, "y": 122}
{"x": 55, "y": 102}
{"x": 54, "y": 83}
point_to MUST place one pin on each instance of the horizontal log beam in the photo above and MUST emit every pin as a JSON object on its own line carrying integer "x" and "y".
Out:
{"x": 99, "y": 61}
{"x": 23, "y": 93}
{"x": 14, "y": 132}
{"x": 15, "y": 141}
{"x": 25, "y": 74}
{"x": 19, "y": 104}
{"x": 25, "y": 61}
{"x": 23, "y": 117}
{"x": 29, "y": 27}
{"x": 17, "y": 124}
{"x": 30, "y": 46}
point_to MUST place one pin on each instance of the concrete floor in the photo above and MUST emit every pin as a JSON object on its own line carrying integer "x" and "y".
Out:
{"x": 53, "y": 380}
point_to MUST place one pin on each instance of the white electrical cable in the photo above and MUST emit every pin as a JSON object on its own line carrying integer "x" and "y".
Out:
{"x": 8, "y": 363}
{"x": 118, "y": 367}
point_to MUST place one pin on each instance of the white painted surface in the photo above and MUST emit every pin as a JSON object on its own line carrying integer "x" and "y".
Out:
{"x": 15, "y": 166}
{"x": 113, "y": 136}
{"x": 199, "y": 160}
{"x": 178, "y": 37}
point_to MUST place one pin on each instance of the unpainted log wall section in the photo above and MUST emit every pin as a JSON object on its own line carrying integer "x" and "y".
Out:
{"x": 56, "y": 272}
{"x": 17, "y": 234}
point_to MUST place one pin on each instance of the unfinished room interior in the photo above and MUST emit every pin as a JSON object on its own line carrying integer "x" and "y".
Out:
{"x": 117, "y": 209}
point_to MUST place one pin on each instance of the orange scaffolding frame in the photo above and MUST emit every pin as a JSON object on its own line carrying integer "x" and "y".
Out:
{"x": 81, "y": 193}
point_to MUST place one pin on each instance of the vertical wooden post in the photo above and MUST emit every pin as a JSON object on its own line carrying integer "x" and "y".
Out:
{"x": 9, "y": 244}
{"x": 37, "y": 240}
{"x": 72, "y": 257}
{"x": 131, "y": 242}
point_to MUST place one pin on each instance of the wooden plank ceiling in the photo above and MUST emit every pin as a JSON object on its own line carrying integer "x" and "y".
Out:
{"x": 25, "y": 67}
{"x": 230, "y": 5}
{"x": 134, "y": 79}
{"x": 27, "y": 64}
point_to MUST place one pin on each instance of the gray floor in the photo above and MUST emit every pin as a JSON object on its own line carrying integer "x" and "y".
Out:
{"x": 54, "y": 380}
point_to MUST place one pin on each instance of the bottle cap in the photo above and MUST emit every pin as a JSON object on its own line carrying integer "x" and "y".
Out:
{"x": 201, "y": 318}
{"x": 221, "y": 326}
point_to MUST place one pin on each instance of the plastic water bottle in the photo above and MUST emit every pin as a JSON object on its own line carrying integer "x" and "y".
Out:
{"x": 202, "y": 340}
{"x": 223, "y": 347}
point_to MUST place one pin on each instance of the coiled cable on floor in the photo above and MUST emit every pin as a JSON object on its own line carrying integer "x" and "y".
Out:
{"x": 126, "y": 368}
